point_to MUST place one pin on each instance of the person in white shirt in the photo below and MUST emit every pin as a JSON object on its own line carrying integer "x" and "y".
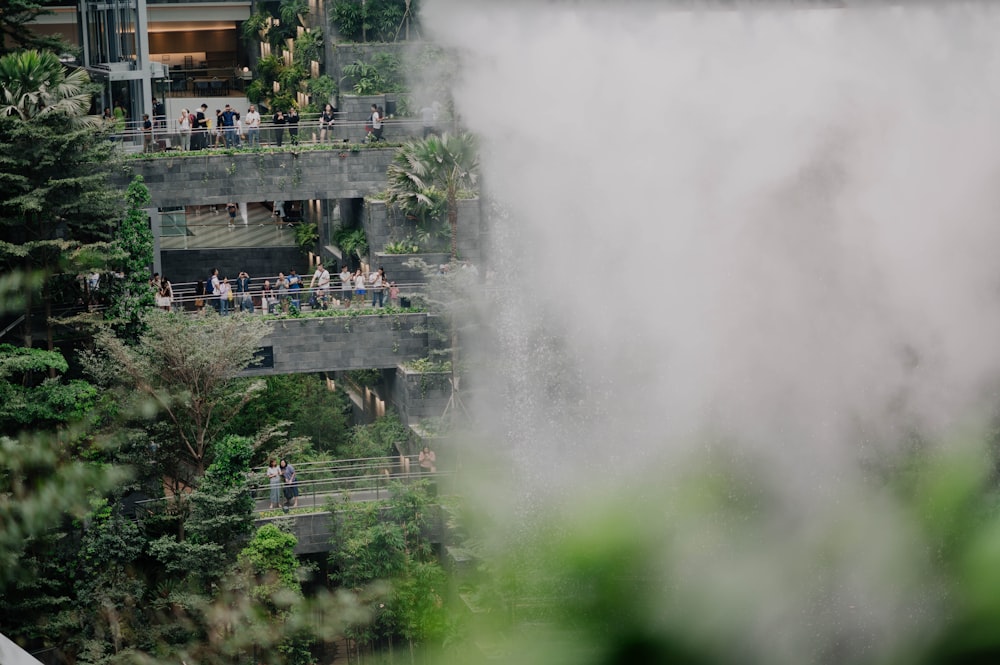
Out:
{"x": 252, "y": 124}
{"x": 184, "y": 129}
{"x": 321, "y": 281}
{"x": 376, "y": 123}
{"x": 377, "y": 280}
{"x": 359, "y": 287}
{"x": 346, "y": 285}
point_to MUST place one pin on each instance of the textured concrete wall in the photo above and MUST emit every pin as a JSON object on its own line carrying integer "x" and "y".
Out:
{"x": 189, "y": 265}
{"x": 260, "y": 176}
{"x": 342, "y": 343}
{"x": 397, "y": 270}
{"x": 416, "y": 395}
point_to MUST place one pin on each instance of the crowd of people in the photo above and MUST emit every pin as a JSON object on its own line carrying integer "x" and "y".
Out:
{"x": 198, "y": 129}
{"x": 285, "y": 292}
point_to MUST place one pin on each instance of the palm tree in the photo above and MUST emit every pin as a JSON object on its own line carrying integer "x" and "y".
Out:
{"x": 35, "y": 83}
{"x": 447, "y": 163}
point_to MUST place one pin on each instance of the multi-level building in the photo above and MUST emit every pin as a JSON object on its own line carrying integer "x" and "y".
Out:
{"x": 139, "y": 49}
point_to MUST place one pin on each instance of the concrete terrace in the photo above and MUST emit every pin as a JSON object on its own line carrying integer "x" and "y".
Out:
{"x": 178, "y": 179}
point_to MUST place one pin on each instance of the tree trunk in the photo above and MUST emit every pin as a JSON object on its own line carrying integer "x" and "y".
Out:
{"x": 26, "y": 326}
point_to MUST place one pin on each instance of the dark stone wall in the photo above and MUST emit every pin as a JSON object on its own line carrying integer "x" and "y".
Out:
{"x": 189, "y": 265}
{"x": 260, "y": 176}
{"x": 329, "y": 344}
{"x": 416, "y": 395}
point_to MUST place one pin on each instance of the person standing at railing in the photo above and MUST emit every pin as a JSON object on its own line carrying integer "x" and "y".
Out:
{"x": 346, "y": 285}
{"x": 225, "y": 296}
{"x": 243, "y": 292}
{"x": 293, "y": 125}
{"x": 159, "y": 114}
{"x": 376, "y": 122}
{"x": 291, "y": 487}
{"x": 165, "y": 296}
{"x": 279, "y": 127}
{"x": 274, "y": 480}
{"x": 184, "y": 129}
{"x": 268, "y": 300}
{"x": 201, "y": 128}
{"x": 252, "y": 123}
{"x": 147, "y": 133}
{"x": 427, "y": 460}
{"x": 228, "y": 121}
{"x": 359, "y": 287}
{"x": 326, "y": 124}
{"x": 295, "y": 289}
{"x": 121, "y": 117}
{"x": 199, "y": 296}
{"x": 377, "y": 280}
{"x": 214, "y": 284}
{"x": 281, "y": 285}
{"x": 321, "y": 282}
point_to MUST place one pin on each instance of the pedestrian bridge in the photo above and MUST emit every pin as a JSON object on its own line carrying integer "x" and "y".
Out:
{"x": 322, "y": 485}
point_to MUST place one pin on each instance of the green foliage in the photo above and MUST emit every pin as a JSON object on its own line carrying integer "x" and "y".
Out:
{"x": 52, "y": 403}
{"x": 270, "y": 558}
{"x": 275, "y": 24}
{"x": 383, "y": 542}
{"x": 304, "y": 402}
{"x": 188, "y": 373}
{"x": 256, "y": 91}
{"x": 445, "y": 164}
{"x": 15, "y": 360}
{"x": 35, "y": 83}
{"x": 323, "y": 89}
{"x": 39, "y": 487}
{"x": 372, "y": 20}
{"x": 55, "y": 203}
{"x": 354, "y": 242}
{"x": 377, "y": 439}
{"x": 230, "y": 464}
{"x": 309, "y": 47}
{"x": 17, "y": 21}
{"x": 382, "y": 75}
{"x": 306, "y": 237}
{"x": 132, "y": 296}
{"x": 402, "y": 247}
{"x": 429, "y": 365}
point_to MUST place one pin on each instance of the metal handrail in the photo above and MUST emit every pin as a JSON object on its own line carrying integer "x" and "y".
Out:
{"x": 17, "y": 321}
{"x": 329, "y": 488}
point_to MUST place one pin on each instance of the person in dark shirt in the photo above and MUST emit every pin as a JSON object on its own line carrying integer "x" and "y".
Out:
{"x": 293, "y": 125}
{"x": 200, "y": 130}
{"x": 228, "y": 120}
{"x": 147, "y": 133}
{"x": 279, "y": 127}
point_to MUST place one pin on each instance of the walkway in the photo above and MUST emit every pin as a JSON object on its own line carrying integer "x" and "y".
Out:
{"x": 323, "y": 484}
{"x": 366, "y": 479}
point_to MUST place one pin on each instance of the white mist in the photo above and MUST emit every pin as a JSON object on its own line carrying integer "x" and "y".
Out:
{"x": 769, "y": 232}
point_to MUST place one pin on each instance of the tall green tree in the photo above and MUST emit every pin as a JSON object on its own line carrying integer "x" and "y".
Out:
{"x": 131, "y": 295}
{"x": 16, "y": 19}
{"x": 187, "y": 367}
{"x": 447, "y": 163}
{"x": 378, "y": 543}
{"x": 57, "y": 211}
